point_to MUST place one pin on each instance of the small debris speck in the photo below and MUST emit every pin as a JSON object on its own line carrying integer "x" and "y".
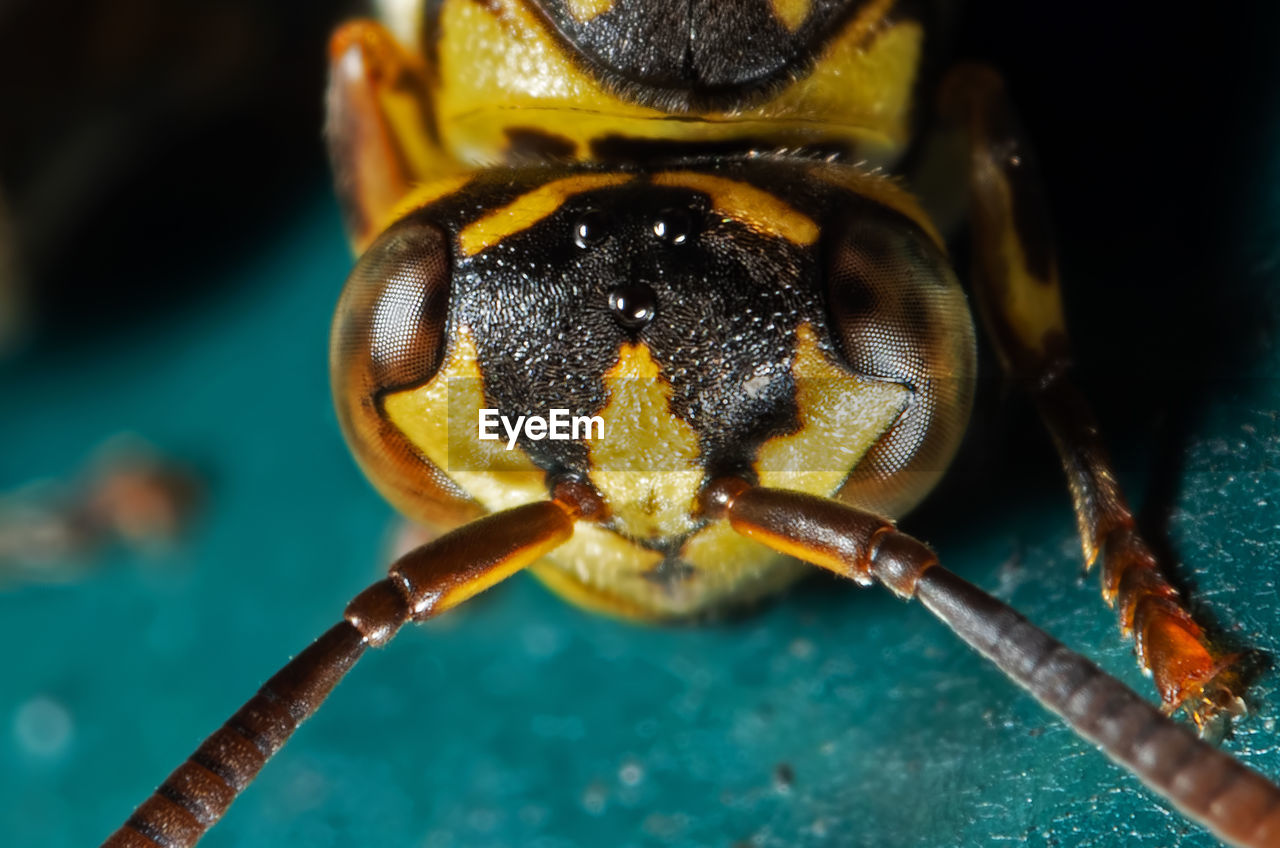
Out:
{"x": 801, "y": 649}
{"x": 594, "y": 799}
{"x": 783, "y": 777}
{"x": 43, "y": 726}
{"x": 631, "y": 773}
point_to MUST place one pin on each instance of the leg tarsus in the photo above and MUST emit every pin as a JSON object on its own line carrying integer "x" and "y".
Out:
{"x": 1170, "y": 645}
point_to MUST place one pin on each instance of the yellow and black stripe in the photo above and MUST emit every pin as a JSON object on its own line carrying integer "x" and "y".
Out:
{"x": 452, "y": 85}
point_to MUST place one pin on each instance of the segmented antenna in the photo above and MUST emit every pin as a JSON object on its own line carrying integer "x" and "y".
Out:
{"x": 1208, "y": 785}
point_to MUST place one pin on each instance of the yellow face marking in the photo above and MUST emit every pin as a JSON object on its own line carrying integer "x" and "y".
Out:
{"x": 758, "y": 209}
{"x": 726, "y": 560}
{"x": 601, "y": 600}
{"x": 841, "y": 417}
{"x": 646, "y": 466}
{"x": 601, "y": 571}
{"x": 585, "y": 10}
{"x": 791, "y": 13}
{"x": 441, "y": 420}
{"x": 606, "y": 573}
{"x": 530, "y": 208}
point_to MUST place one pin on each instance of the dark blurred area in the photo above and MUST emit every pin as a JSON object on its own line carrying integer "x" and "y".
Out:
{"x": 1151, "y": 128}
{"x": 141, "y": 140}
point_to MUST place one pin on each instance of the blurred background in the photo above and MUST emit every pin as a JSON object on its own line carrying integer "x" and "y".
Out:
{"x": 178, "y": 514}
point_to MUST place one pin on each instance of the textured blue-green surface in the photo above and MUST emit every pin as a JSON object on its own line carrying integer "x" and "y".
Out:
{"x": 831, "y": 717}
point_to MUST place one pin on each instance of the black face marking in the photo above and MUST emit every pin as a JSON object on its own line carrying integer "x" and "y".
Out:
{"x": 634, "y": 305}
{"x": 534, "y": 142}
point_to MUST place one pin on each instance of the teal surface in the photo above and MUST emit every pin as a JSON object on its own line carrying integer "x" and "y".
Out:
{"x": 518, "y": 720}
{"x": 831, "y": 717}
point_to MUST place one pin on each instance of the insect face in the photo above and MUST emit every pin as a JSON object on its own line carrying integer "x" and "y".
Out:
{"x": 711, "y": 321}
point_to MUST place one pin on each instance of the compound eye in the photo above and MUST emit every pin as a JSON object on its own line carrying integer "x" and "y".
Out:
{"x": 389, "y": 331}
{"x": 899, "y": 314}
{"x": 892, "y": 296}
{"x": 882, "y": 288}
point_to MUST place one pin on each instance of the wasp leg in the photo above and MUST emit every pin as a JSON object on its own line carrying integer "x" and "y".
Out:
{"x": 421, "y": 584}
{"x": 381, "y": 129}
{"x": 1208, "y": 785}
{"x": 1017, "y": 291}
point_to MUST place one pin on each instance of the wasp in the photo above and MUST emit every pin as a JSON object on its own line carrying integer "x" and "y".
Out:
{"x": 694, "y": 224}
